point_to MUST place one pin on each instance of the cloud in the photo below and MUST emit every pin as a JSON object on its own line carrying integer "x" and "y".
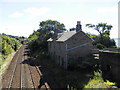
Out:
{"x": 16, "y": 15}
{"x": 36, "y": 12}
{"x": 113, "y": 9}
{"x": 30, "y": 13}
{"x": 18, "y": 30}
{"x": 31, "y": 1}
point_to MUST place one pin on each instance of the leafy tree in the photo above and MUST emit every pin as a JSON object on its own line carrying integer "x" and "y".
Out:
{"x": 49, "y": 25}
{"x": 106, "y": 43}
{"x": 7, "y": 49}
{"x": 34, "y": 36}
{"x": 102, "y": 28}
{"x": 22, "y": 39}
{"x": 9, "y": 45}
{"x": 102, "y": 40}
{"x": 0, "y": 43}
{"x": 38, "y": 40}
{"x": 100, "y": 46}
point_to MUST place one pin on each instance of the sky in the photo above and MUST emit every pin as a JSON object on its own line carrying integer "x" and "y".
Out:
{"x": 22, "y": 17}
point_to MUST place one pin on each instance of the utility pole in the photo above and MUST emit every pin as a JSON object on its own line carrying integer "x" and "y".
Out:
{"x": 119, "y": 24}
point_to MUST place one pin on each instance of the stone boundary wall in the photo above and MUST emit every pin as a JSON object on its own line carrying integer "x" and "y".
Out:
{"x": 110, "y": 61}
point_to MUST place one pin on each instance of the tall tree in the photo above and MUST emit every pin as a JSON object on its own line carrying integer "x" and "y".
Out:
{"x": 102, "y": 28}
{"x": 40, "y": 37}
{"x": 49, "y": 25}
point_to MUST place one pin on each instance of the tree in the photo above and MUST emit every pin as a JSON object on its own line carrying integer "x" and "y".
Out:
{"x": 102, "y": 28}
{"x": 9, "y": 44}
{"x": 106, "y": 43}
{"x": 49, "y": 25}
{"x": 39, "y": 38}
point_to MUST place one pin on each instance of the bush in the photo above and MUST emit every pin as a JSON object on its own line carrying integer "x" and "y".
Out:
{"x": 96, "y": 82}
{"x": 84, "y": 63}
{"x": 109, "y": 83}
{"x": 100, "y": 46}
{"x": 8, "y": 50}
{"x": 105, "y": 42}
{"x": 9, "y": 45}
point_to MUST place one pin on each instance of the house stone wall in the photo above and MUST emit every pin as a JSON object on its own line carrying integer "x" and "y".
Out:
{"x": 62, "y": 52}
{"x": 57, "y": 51}
{"x": 78, "y": 40}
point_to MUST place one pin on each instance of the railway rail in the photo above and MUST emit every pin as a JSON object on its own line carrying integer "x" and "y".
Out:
{"x": 13, "y": 71}
{"x": 21, "y": 74}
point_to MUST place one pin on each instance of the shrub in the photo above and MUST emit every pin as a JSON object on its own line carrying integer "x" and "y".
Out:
{"x": 96, "y": 82}
{"x": 6, "y": 48}
{"x": 9, "y": 44}
{"x": 100, "y": 46}
{"x": 109, "y": 83}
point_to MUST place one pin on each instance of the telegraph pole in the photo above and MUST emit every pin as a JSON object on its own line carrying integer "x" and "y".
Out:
{"x": 119, "y": 24}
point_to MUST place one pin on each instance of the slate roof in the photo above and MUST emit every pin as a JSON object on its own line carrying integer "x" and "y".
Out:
{"x": 65, "y": 36}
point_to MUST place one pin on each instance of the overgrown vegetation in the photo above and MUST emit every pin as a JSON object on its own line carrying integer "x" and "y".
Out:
{"x": 58, "y": 77}
{"x": 38, "y": 40}
{"x": 107, "y": 42}
{"x": 97, "y": 81}
{"x": 102, "y": 40}
{"x": 39, "y": 48}
{"x": 8, "y": 45}
{"x": 86, "y": 62}
{"x": 109, "y": 83}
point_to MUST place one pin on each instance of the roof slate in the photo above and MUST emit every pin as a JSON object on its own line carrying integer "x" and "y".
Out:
{"x": 65, "y": 36}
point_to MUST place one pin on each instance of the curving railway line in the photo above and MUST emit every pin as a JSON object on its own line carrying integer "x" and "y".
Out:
{"x": 21, "y": 74}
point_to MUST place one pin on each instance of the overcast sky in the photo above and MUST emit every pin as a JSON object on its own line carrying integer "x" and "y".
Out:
{"x": 21, "y": 17}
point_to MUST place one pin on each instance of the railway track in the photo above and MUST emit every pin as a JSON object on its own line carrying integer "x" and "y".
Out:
{"x": 10, "y": 83}
{"x": 7, "y": 77}
{"x": 21, "y": 74}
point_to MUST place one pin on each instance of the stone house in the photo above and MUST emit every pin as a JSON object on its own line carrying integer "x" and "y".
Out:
{"x": 69, "y": 47}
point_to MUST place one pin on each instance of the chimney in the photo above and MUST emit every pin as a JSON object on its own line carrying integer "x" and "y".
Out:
{"x": 78, "y": 22}
{"x": 78, "y": 26}
{"x": 54, "y": 34}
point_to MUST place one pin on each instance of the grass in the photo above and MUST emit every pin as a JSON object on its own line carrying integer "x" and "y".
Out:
{"x": 98, "y": 82}
{"x": 4, "y": 63}
{"x": 109, "y": 83}
{"x": 5, "y": 60}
